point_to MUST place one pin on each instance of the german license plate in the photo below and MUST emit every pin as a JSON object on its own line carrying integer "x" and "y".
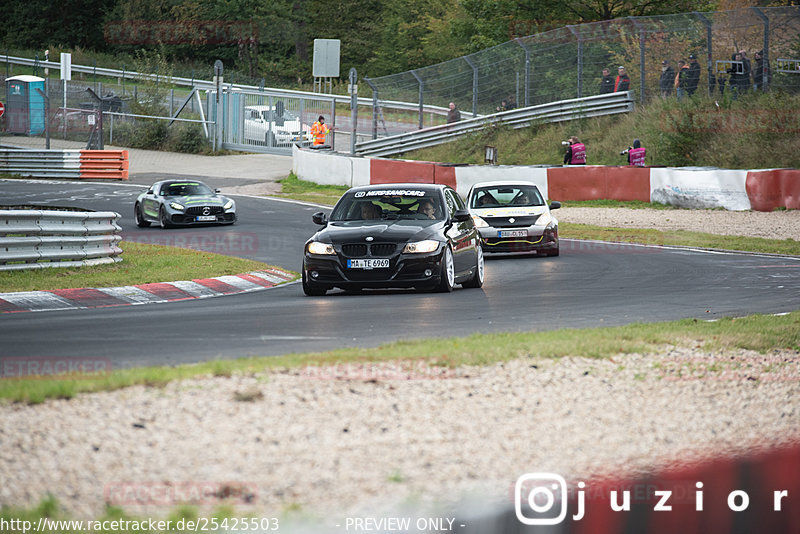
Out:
{"x": 368, "y": 264}
{"x": 202, "y": 218}
{"x": 512, "y": 233}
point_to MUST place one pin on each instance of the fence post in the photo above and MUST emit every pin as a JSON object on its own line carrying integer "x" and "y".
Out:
{"x": 474, "y": 86}
{"x": 374, "y": 107}
{"x": 765, "y": 51}
{"x": 709, "y": 60}
{"x": 353, "y": 108}
{"x": 527, "y": 67}
{"x": 641, "y": 58}
{"x": 580, "y": 58}
{"x": 421, "y": 89}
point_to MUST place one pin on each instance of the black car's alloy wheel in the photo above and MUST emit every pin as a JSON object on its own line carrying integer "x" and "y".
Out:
{"x": 448, "y": 273}
{"x": 477, "y": 277}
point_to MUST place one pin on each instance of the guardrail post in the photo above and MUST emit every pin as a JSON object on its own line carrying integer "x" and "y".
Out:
{"x": 421, "y": 89}
{"x": 353, "y": 108}
{"x": 709, "y": 61}
{"x": 765, "y": 50}
{"x": 474, "y": 86}
{"x": 580, "y": 58}
{"x": 527, "y": 68}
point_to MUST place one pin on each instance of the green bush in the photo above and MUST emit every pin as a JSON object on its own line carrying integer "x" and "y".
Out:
{"x": 186, "y": 137}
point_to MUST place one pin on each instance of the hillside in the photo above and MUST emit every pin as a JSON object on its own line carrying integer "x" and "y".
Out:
{"x": 755, "y": 131}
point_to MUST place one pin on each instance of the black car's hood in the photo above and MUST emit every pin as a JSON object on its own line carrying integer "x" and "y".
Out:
{"x": 392, "y": 231}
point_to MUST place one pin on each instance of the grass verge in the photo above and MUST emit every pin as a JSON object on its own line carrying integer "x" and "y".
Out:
{"x": 141, "y": 264}
{"x": 293, "y": 187}
{"x": 679, "y": 238}
{"x": 759, "y": 332}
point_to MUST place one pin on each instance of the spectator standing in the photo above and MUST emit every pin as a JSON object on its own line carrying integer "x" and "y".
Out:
{"x": 511, "y": 103}
{"x": 607, "y": 83}
{"x": 758, "y": 74}
{"x": 667, "y": 80}
{"x": 693, "y": 76}
{"x": 681, "y": 79}
{"x": 576, "y": 152}
{"x": 745, "y": 80}
{"x": 453, "y": 115}
{"x": 622, "y": 83}
{"x": 736, "y": 78}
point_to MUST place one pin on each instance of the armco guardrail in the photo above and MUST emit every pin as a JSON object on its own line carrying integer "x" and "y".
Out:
{"x": 35, "y": 239}
{"x": 563, "y": 110}
{"x": 81, "y": 164}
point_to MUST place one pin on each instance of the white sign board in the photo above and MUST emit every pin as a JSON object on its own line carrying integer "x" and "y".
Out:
{"x": 326, "y": 58}
{"x": 66, "y": 66}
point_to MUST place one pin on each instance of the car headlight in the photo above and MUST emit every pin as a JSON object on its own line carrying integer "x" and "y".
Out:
{"x": 479, "y": 223}
{"x": 418, "y": 247}
{"x": 228, "y": 205}
{"x": 315, "y": 247}
{"x": 544, "y": 219}
{"x": 176, "y": 206}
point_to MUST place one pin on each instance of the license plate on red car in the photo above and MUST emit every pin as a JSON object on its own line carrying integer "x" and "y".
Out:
{"x": 368, "y": 264}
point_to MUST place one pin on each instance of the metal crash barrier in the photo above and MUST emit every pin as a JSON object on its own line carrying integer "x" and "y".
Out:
{"x": 78, "y": 164}
{"x": 35, "y": 239}
{"x": 564, "y": 110}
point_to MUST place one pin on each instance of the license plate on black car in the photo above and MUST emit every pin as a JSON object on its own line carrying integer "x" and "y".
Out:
{"x": 368, "y": 264}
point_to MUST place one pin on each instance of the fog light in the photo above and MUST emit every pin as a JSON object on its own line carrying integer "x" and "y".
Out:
{"x": 314, "y": 274}
{"x": 428, "y": 272}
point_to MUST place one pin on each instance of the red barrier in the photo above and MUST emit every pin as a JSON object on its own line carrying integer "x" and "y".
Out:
{"x": 104, "y": 164}
{"x": 773, "y": 189}
{"x": 444, "y": 174}
{"x": 595, "y": 182}
{"x": 390, "y": 171}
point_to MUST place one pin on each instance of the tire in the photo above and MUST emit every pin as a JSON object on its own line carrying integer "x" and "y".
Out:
{"x": 448, "y": 272}
{"x": 163, "y": 219}
{"x": 310, "y": 289}
{"x": 477, "y": 278}
{"x": 551, "y": 253}
{"x": 139, "y": 216}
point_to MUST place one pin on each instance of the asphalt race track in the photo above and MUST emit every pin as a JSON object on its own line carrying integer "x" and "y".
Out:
{"x": 590, "y": 284}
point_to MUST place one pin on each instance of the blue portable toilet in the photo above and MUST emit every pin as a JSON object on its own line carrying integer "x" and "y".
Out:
{"x": 24, "y": 105}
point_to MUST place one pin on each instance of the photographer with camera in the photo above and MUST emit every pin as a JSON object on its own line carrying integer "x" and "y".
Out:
{"x": 576, "y": 152}
{"x": 635, "y": 154}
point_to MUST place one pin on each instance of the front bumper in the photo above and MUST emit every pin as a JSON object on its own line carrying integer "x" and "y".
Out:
{"x": 537, "y": 239}
{"x": 187, "y": 219}
{"x": 405, "y": 270}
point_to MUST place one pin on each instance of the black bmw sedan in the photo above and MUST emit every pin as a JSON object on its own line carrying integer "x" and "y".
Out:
{"x": 394, "y": 235}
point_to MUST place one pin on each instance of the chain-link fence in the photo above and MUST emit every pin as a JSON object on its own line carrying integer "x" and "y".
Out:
{"x": 568, "y": 62}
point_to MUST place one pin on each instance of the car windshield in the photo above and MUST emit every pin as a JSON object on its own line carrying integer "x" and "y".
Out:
{"x": 389, "y": 204}
{"x": 176, "y": 189}
{"x": 288, "y": 115}
{"x": 504, "y": 196}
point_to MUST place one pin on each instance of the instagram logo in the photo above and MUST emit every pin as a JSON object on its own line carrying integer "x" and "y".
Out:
{"x": 536, "y": 495}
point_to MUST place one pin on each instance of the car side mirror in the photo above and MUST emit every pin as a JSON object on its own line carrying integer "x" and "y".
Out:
{"x": 217, "y": 190}
{"x": 320, "y": 218}
{"x": 554, "y": 205}
{"x": 461, "y": 216}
